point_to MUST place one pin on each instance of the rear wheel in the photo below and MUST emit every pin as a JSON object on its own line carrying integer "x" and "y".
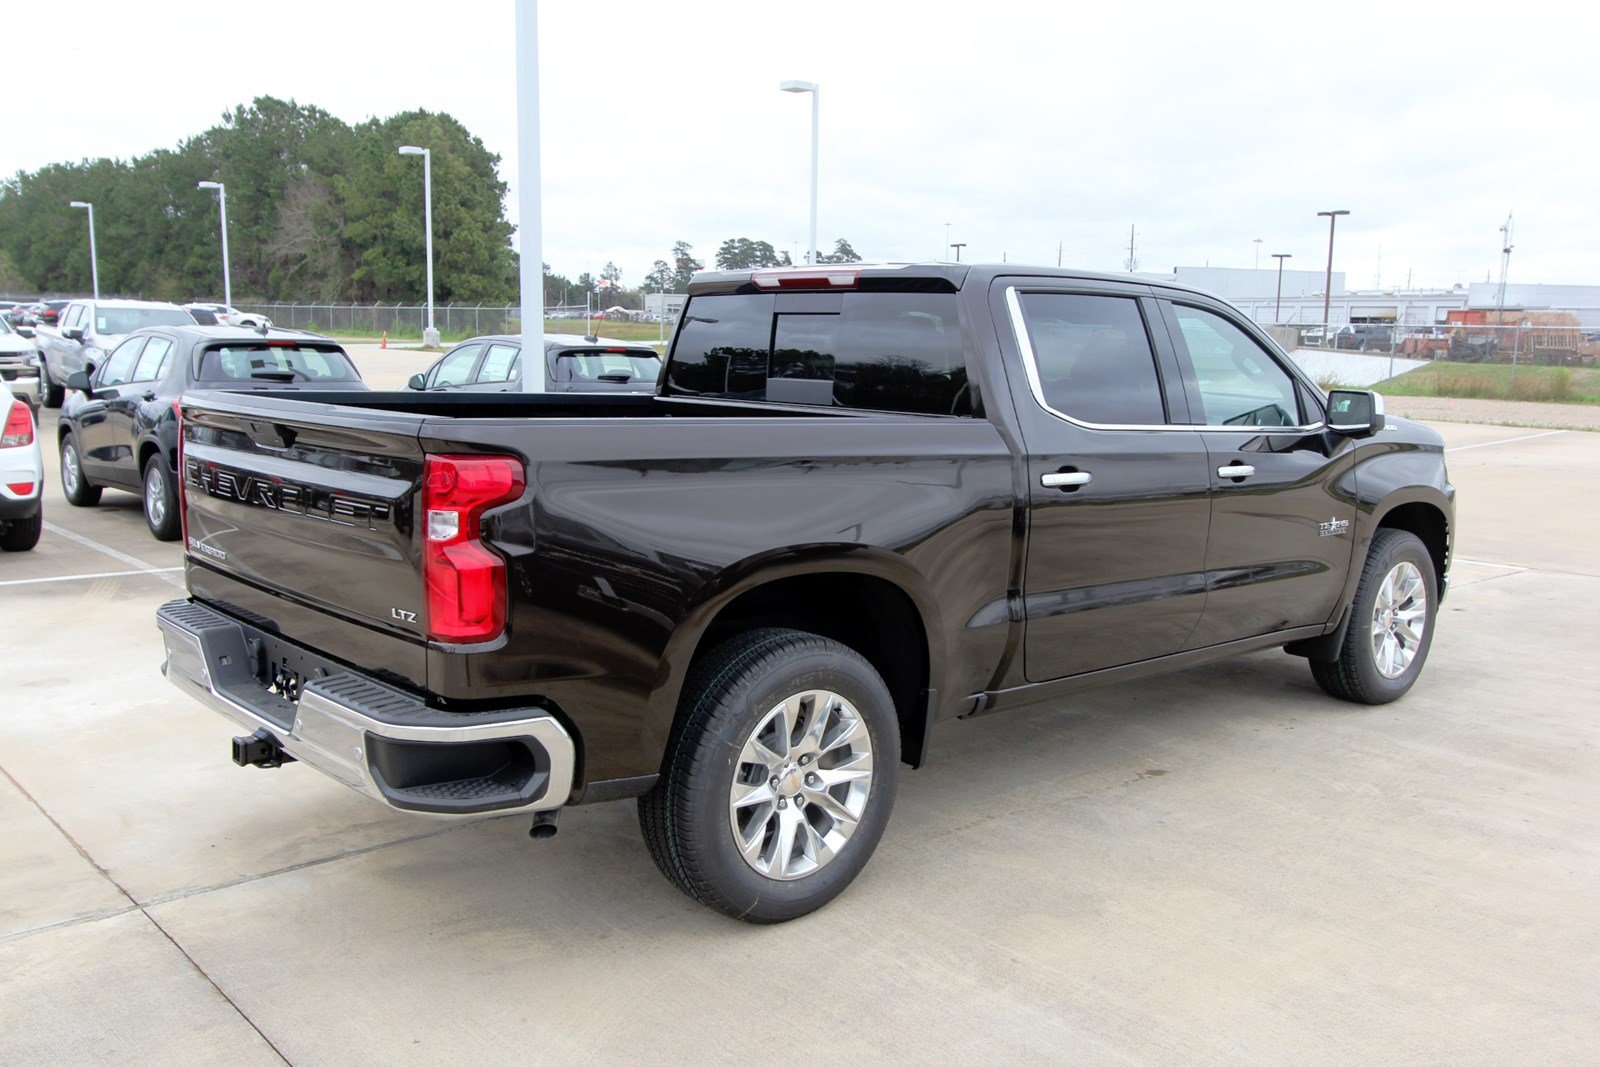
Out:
{"x": 1391, "y": 623}
{"x": 50, "y": 394}
{"x": 74, "y": 484}
{"x": 19, "y": 535}
{"x": 780, "y": 778}
{"x": 160, "y": 500}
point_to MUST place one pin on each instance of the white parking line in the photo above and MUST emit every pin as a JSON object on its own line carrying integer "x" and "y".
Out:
{"x": 1507, "y": 441}
{"x": 86, "y": 577}
{"x": 1486, "y": 563}
{"x": 122, "y": 557}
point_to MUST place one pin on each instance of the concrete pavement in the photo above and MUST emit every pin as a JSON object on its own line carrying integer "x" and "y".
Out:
{"x": 1219, "y": 865}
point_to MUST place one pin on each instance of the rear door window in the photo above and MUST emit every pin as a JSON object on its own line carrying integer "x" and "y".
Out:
{"x": 497, "y": 364}
{"x": 1093, "y": 358}
{"x": 885, "y": 351}
{"x": 153, "y": 360}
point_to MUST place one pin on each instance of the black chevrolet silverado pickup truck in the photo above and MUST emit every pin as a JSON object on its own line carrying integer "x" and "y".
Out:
{"x": 862, "y": 501}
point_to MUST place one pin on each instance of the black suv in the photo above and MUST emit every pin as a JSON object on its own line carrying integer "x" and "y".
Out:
{"x": 119, "y": 423}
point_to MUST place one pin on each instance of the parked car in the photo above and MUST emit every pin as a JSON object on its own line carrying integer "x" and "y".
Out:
{"x": 863, "y": 501}
{"x": 223, "y": 315}
{"x": 49, "y": 313}
{"x": 119, "y": 425}
{"x": 1363, "y": 337}
{"x": 21, "y": 474}
{"x": 493, "y": 364}
{"x": 19, "y": 367}
{"x": 88, "y": 330}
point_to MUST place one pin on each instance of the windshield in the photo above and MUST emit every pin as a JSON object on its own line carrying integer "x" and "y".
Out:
{"x": 275, "y": 361}
{"x": 5, "y": 327}
{"x": 126, "y": 320}
{"x": 591, "y": 367}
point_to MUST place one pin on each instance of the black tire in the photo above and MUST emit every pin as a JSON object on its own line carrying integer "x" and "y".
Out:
{"x": 158, "y": 480}
{"x": 74, "y": 483}
{"x": 1355, "y": 675}
{"x": 20, "y": 535}
{"x": 50, "y": 394}
{"x": 685, "y": 818}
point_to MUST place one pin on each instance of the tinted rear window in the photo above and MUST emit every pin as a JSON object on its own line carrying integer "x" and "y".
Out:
{"x": 589, "y": 366}
{"x": 275, "y": 362}
{"x": 882, "y": 351}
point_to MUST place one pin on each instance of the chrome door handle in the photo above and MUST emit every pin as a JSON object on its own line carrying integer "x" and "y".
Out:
{"x": 1065, "y": 479}
{"x": 1235, "y": 470}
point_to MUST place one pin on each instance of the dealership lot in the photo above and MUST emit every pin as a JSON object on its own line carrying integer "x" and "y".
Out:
{"x": 1222, "y": 864}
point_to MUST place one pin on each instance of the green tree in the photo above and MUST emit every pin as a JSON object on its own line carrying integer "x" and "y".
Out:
{"x": 741, "y": 253}
{"x": 842, "y": 253}
{"x": 659, "y": 280}
{"x": 684, "y": 266}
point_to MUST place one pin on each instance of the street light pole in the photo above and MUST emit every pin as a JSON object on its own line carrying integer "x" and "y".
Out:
{"x": 94, "y": 260}
{"x": 430, "y": 336}
{"x": 222, "y": 201}
{"x": 1257, "y": 265}
{"x": 1327, "y": 282}
{"x": 958, "y": 246}
{"x": 1277, "y": 307}
{"x": 816, "y": 115}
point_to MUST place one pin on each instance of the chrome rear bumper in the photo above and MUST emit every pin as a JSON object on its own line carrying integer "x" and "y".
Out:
{"x": 374, "y": 738}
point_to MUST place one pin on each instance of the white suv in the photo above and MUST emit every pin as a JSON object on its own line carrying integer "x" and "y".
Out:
{"x": 21, "y": 475}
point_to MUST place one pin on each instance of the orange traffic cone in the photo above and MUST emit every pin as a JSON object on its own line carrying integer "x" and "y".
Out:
{"x": 385, "y": 342}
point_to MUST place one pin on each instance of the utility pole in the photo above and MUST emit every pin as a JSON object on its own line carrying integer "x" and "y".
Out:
{"x": 1132, "y": 263}
{"x": 1327, "y": 282}
{"x": 1277, "y": 308}
{"x": 1060, "y": 247}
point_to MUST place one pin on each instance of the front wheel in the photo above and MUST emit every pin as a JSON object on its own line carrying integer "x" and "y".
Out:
{"x": 779, "y": 779}
{"x": 74, "y": 484}
{"x": 1391, "y": 623}
{"x": 51, "y": 395}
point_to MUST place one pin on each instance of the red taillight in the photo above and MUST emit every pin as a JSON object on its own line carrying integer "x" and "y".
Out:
{"x": 21, "y": 488}
{"x": 822, "y": 278}
{"x": 465, "y": 580}
{"x": 19, "y": 426}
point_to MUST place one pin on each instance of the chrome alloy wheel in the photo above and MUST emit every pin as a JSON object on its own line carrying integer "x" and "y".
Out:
{"x": 70, "y": 471}
{"x": 155, "y": 496}
{"x": 1399, "y": 617}
{"x": 801, "y": 785}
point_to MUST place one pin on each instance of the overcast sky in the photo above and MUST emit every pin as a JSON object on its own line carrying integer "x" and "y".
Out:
{"x": 1021, "y": 125}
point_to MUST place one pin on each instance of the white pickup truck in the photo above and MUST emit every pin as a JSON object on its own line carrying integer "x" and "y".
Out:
{"x": 86, "y": 331}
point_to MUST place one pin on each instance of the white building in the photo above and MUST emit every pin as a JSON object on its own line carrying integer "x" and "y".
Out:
{"x": 1255, "y": 293}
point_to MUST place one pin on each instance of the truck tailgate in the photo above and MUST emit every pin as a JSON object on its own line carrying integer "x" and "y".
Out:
{"x": 309, "y": 524}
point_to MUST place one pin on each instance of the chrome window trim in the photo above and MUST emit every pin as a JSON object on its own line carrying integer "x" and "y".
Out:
{"x": 1019, "y": 328}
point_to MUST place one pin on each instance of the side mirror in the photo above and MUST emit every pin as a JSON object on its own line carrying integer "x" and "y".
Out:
{"x": 73, "y": 333}
{"x": 1355, "y": 412}
{"x": 79, "y": 380}
{"x": 417, "y": 382}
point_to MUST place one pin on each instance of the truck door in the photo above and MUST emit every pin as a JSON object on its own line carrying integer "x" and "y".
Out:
{"x": 1283, "y": 494}
{"x": 1118, "y": 485}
